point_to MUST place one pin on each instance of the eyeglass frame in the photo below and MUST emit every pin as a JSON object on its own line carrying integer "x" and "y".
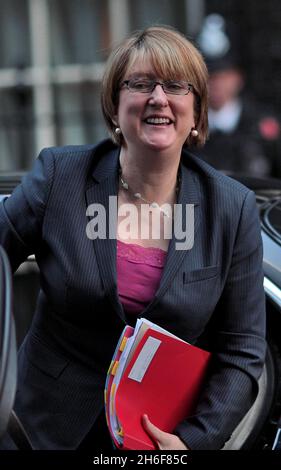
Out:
{"x": 154, "y": 83}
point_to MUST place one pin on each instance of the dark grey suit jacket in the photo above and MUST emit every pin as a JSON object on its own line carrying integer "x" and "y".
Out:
{"x": 211, "y": 295}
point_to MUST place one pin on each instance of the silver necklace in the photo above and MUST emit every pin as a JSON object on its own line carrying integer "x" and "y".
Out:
{"x": 151, "y": 204}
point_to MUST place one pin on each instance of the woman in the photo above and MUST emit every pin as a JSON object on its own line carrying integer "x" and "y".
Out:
{"x": 203, "y": 283}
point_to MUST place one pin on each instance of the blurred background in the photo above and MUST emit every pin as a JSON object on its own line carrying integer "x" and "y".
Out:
{"x": 52, "y": 54}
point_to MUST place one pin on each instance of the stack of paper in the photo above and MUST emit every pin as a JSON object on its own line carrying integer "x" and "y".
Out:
{"x": 152, "y": 372}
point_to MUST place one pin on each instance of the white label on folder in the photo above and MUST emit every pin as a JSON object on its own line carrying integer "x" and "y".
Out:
{"x": 144, "y": 358}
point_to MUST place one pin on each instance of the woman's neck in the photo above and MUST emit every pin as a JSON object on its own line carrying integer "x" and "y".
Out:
{"x": 153, "y": 175}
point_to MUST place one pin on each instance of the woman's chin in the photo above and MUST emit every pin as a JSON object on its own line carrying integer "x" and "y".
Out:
{"x": 158, "y": 144}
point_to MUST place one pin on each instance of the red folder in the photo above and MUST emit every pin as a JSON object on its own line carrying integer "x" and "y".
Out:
{"x": 163, "y": 380}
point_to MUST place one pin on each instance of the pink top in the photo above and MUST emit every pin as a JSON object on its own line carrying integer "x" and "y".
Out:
{"x": 139, "y": 272}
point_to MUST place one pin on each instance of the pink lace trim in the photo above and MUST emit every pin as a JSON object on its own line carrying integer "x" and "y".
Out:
{"x": 138, "y": 254}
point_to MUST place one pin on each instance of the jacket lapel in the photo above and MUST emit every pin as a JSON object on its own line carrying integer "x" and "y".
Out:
{"x": 188, "y": 194}
{"x": 105, "y": 184}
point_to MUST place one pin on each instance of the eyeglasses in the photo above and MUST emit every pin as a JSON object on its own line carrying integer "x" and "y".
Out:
{"x": 145, "y": 85}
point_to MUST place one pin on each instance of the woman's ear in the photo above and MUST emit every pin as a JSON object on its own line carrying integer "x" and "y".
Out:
{"x": 115, "y": 120}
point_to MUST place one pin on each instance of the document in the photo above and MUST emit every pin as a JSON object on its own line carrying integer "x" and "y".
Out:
{"x": 152, "y": 372}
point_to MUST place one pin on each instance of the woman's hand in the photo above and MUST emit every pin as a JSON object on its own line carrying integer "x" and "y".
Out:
{"x": 164, "y": 440}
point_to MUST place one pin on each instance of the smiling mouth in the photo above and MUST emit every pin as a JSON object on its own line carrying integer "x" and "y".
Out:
{"x": 158, "y": 121}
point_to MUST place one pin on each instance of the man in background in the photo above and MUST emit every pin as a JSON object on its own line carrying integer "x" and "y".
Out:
{"x": 244, "y": 136}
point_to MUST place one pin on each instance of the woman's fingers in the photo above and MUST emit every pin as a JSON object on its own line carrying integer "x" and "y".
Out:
{"x": 164, "y": 440}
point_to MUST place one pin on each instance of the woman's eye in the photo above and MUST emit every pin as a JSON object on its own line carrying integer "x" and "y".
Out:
{"x": 140, "y": 84}
{"x": 174, "y": 86}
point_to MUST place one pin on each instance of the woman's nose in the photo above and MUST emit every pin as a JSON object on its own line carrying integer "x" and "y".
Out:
{"x": 158, "y": 96}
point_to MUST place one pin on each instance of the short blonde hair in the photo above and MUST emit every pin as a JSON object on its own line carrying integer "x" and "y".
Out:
{"x": 172, "y": 56}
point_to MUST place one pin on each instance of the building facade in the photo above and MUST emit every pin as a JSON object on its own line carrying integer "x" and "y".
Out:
{"x": 52, "y": 55}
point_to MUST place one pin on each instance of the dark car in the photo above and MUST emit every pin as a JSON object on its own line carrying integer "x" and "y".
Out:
{"x": 260, "y": 427}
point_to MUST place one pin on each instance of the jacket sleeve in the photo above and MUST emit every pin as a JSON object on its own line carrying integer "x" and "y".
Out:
{"x": 237, "y": 333}
{"x": 22, "y": 214}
